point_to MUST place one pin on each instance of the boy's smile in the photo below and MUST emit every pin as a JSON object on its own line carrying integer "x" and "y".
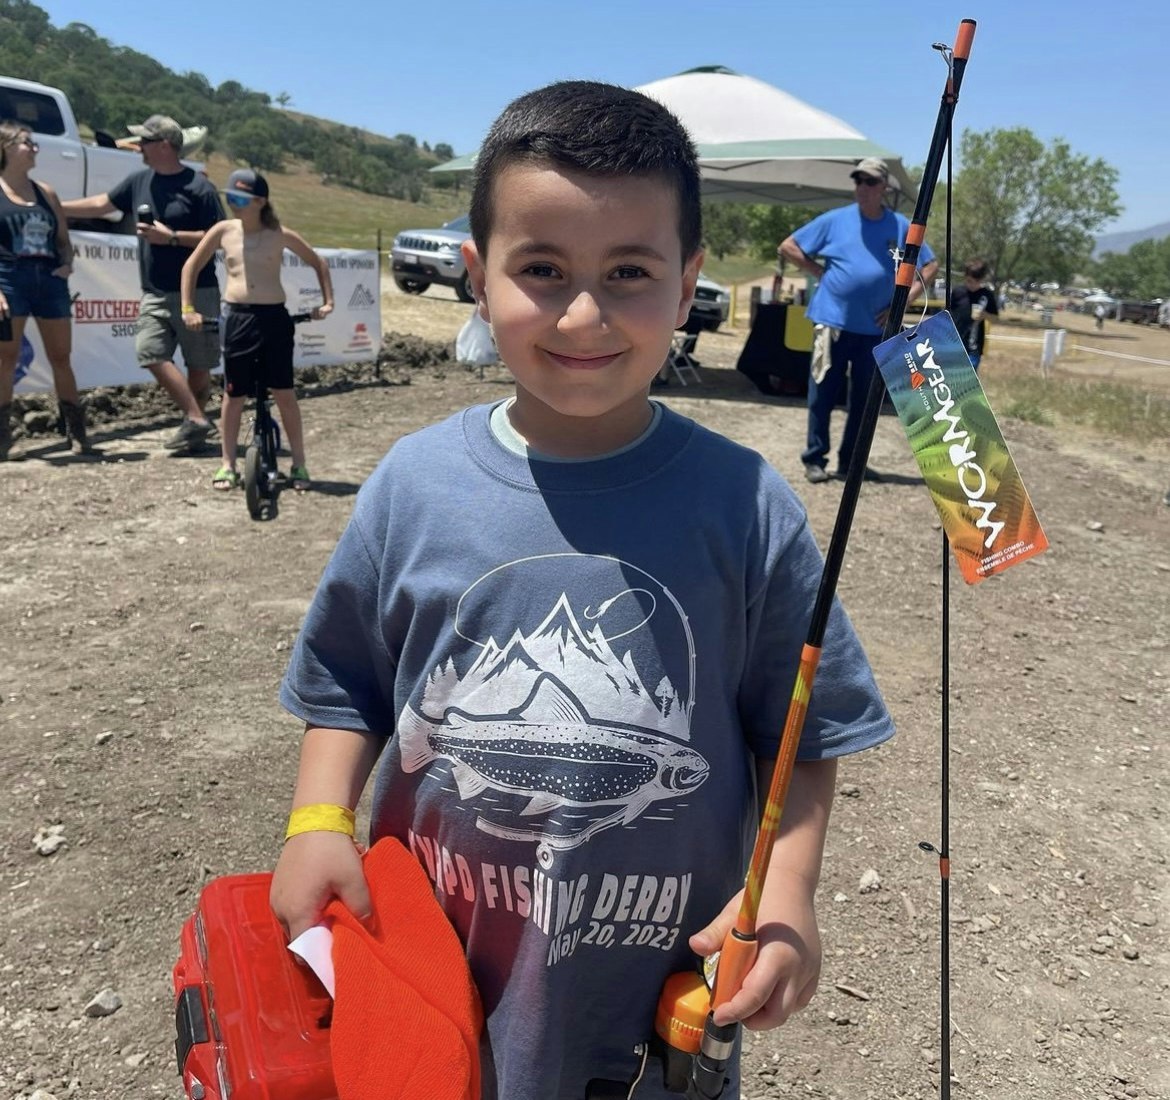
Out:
{"x": 583, "y": 285}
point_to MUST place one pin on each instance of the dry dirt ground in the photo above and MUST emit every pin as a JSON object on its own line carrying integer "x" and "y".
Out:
{"x": 147, "y": 620}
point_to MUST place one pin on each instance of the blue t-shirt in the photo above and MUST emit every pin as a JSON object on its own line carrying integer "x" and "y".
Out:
{"x": 575, "y": 666}
{"x": 859, "y": 269}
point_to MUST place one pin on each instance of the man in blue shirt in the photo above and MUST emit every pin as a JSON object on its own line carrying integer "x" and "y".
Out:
{"x": 856, "y": 246}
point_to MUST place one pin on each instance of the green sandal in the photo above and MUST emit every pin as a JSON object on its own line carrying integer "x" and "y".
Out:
{"x": 299, "y": 476}
{"x": 225, "y": 479}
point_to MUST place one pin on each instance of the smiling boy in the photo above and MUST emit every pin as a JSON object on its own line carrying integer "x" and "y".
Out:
{"x": 566, "y": 626}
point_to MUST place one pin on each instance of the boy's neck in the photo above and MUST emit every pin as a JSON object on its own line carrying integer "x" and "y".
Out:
{"x": 564, "y": 436}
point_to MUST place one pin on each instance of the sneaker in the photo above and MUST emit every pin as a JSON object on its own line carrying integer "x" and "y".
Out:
{"x": 816, "y": 474}
{"x": 189, "y": 435}
{"x": 299, "y": 476}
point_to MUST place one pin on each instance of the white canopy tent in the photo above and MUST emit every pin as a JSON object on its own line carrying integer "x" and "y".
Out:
{"x": 757, "y": 143}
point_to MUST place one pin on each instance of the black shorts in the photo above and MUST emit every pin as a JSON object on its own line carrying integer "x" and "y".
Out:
{"x": 257, "y": 344}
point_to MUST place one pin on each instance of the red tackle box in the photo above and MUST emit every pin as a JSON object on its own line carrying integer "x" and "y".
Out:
{"x": 251, "y": 1022}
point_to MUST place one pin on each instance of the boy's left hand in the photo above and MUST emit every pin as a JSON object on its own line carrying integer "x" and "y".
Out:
{"x": 784, "y": 976}
{"x": 321, "y": 312}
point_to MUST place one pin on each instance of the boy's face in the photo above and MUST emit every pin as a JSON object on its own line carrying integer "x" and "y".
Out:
{"x": 583, "y": 285}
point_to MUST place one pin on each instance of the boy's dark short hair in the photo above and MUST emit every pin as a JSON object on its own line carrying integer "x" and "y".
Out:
{"x": 597, "y": 129}
{"x": 975, "y": 269}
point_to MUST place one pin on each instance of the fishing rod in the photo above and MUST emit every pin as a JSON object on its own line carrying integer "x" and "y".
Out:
{"x": 943, "y": 851}
{"x": 675, "y": 1023}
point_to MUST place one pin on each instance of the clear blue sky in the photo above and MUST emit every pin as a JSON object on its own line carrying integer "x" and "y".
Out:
{"x": 1093, "y": 73}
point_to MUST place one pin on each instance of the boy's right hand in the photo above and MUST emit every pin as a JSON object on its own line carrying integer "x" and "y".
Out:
{"x": 313, "y": 869}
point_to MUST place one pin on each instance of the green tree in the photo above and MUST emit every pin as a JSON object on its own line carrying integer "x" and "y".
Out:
{"x": 1029, "y": 210}
{"x": 768, "y": 225}
{"x": 256, "y": 143}
{"x": 1142, "y": 272}
{"x": 725, "y": 227}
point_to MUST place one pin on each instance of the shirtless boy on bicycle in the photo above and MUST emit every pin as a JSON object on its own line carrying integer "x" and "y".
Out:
{"x": 258, "y": 332}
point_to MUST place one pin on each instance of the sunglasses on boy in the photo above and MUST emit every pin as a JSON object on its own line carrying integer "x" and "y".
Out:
{"x": 237, "y": 200}
{"x": 867, "y": 181}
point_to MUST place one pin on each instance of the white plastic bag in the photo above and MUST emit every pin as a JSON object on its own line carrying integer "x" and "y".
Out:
{"x": 474, "y": 344}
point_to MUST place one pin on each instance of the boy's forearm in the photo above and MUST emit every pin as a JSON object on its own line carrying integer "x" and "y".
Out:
{"x": 335, "y": 765}
{"x": 800, "y": 843}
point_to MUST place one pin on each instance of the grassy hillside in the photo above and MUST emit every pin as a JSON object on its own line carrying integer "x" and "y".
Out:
{"x": 332, "y": 216}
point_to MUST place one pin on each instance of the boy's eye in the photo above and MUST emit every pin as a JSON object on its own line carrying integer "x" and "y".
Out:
{"x": 541, "y": 271}
{"x": 630, "y": 271}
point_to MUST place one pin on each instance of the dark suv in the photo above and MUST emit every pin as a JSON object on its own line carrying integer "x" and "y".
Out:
{"x": 420, "y": 257}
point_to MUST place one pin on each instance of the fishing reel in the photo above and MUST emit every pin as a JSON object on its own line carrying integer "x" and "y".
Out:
{"x": 694, "y": 1051}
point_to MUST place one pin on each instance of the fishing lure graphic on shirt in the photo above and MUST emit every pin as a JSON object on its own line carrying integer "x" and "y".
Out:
{"x": 553, "y": 737}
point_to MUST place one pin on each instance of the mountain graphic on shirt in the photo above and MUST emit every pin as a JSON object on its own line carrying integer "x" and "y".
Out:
{"x": 502, "y": 677}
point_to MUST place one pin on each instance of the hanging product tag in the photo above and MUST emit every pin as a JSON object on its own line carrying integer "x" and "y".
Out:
{"x": 959, "y": 448}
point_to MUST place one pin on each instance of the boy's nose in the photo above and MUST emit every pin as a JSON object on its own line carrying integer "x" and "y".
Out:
{"x": 582, "y": 312}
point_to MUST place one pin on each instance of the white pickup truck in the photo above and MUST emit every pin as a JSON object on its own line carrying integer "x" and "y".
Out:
{"x": 74, "y": 167}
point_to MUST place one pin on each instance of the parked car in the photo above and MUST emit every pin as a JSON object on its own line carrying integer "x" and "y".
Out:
{"x": 1140, "y": 313}
{"x": 420, "y": 257}
{"x": 709, "y": 309}
{"x": 73, "y": 167}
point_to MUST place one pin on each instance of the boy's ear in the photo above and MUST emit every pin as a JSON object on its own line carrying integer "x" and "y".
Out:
{"x": 475, "y": 269}
{"x": 690, "y": 276}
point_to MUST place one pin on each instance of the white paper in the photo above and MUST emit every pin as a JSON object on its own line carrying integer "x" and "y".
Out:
{"x": 315, "y": 946}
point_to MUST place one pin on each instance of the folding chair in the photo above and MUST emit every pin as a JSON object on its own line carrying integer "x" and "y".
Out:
{"x": 680, "y": 357}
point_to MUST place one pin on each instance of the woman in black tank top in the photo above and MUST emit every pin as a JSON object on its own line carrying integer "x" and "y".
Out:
{"x": 36, "y": 260}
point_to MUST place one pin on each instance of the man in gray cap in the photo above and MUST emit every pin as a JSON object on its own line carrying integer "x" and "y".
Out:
{"x": 174, "y": 206}
{"x": 856, "y": 246}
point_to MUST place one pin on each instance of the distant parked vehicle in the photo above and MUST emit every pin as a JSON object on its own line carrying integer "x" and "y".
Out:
{"x": 1140, "y": 313}
{"x": 420, "y": 257}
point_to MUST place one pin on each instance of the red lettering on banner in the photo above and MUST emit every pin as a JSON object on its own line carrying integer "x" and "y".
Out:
{"x": 103, "y": 311}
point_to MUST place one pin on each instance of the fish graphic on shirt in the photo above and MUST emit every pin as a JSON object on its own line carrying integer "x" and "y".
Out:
{"x": 550, "y": 750}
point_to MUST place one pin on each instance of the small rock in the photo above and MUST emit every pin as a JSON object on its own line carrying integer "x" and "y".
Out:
{"x": 135, "y": 701}
{"x": 106, "y": 1003}
{"x": 135, "y": 1060}
{"x": 839, "y": 896}
{"x": 103, "y": 737}
{"x": 1130, "y": 953}
{"x": 42, "y": 1094}
{"x": 1096, "y": 526}
{"x": 871, "y": 882}
{"x": 49, "y": 839}
{"x": 849, "y": 790}
{"x": 197, "y": 626}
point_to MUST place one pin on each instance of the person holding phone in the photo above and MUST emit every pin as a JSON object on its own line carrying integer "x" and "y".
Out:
{"x": 36, "y": 260}
{"x": 174, "y": 206}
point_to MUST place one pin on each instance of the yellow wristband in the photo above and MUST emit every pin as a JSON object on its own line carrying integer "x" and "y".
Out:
{"x": 188, "y": 309}
{"x": 320, "y": 818}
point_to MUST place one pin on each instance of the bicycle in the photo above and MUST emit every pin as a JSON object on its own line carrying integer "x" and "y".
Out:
{"x": 261, "y": 474}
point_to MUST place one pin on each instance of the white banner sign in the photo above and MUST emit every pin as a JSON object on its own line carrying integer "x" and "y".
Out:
{"x": 105, "y": 290}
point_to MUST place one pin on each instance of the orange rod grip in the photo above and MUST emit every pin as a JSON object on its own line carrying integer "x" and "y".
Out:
{"x": 736, "y": 958}
{"x": 916, "y": 234}
{"x": 964, "y": 39}
{"x": 944, "y": 867}
{"x": 773, "y": 808}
